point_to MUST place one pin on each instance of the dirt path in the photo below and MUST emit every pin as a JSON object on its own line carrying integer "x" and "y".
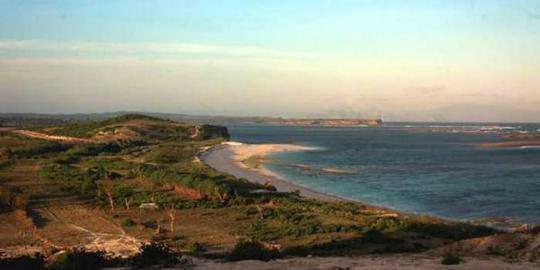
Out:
{"x": 39, "y": 135}
{"x": 76, "y": 225}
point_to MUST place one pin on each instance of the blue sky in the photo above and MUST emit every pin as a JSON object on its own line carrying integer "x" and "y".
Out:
{"x": 403, "y": 59}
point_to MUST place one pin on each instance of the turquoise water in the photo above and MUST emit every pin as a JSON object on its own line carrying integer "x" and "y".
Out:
{"x": 435, "y": 169}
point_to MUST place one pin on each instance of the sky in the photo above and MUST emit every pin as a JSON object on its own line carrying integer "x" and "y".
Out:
{"x": 459, "y": 60}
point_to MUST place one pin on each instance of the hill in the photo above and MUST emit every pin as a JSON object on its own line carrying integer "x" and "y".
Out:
{"x": 134, "y": 127}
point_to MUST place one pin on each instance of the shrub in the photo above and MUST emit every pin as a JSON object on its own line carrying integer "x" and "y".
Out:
{"x": 39, "y": 149}
{"x": 372, "y": 235}
{"x": 78, "y": 259}
{"x": 12, "y": 198}
{"x": 155, "y": 254}
{"x": 451, "y": 259}
{"x": 95, "y": 149}
{"x": 495, "y": 250}
{"x": 456, "y": 231}
{"x": 252, "y": 250}
{"x": 109, "y": 163}
{"x": 128, "y": 222}
{"x": 194, "y": 247}
{"x": 36, "y": 262}
{"x": 88, "y": 186}
{"x": 521, "y": 244}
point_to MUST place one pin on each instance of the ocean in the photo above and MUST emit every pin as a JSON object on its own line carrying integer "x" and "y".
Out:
{"x": 424, "y": 168}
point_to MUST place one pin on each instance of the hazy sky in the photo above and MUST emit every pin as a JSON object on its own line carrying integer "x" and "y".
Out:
{"x": 403, "y": 60}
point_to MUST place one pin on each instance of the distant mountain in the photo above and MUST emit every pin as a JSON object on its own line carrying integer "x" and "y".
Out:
{"x": 54, "y": 119}
{"x": 454, "y": 113}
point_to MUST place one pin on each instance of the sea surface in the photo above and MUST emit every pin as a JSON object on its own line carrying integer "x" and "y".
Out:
{"x": 435, "y": 168}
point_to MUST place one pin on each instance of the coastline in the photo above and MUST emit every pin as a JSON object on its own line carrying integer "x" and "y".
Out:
{"x": 231, "y": 158}
{"x": 247, "y": 161}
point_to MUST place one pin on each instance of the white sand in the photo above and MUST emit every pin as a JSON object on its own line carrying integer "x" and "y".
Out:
{"x": 228, "y": 158}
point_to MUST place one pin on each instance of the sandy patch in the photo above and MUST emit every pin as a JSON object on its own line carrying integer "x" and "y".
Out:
{"x": 230, "y": 157}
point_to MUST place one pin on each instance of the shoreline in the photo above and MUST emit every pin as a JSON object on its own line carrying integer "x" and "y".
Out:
{"x": 230, "y": 158}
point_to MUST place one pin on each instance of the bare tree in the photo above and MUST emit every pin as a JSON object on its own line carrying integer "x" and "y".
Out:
{"x": 261, "y": 211}
{"x": 107, "y": 188}
{"x": 127, "y": 201}
{"x": 171, "y": 212}
{"x": 111, "y": 199}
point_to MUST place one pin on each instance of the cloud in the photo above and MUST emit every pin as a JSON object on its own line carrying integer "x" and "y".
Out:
{"x": 136, "y": 48}
{"x": 45, "y": 52}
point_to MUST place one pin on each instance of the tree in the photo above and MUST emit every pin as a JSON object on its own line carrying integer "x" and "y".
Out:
{"x": 127, "y": 202}
{"x": 260, "y": 210}
{"x": 107, "y": 188}
{"x": 171, "y": 212}
{"x": 111, "y": 199}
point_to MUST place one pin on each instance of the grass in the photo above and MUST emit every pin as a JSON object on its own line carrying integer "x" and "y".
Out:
{"x": 86, "y": 129}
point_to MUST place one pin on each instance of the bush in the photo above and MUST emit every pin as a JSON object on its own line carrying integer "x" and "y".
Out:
{"x": 372, "y": 235}
{"x": 495, "y": 250}
{"x": 155, "y": 254}
{"x": 88, "y": 186}
{"x": 78, "y": 259}
{"x": 451, "y": 259}
{"x": 194, "y": 247}
{"x": 455, "y": 231}
{"x": 39, "y": 149}
{"x": 252, "y": 250}
{"x": 128, "y": 222}
{"x": 12, "y": 198}
{"x": 36, "y": 262}
{"x": 201, "y": 183}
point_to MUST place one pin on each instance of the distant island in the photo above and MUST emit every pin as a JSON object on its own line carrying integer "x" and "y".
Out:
{"x": 336, "y": 122}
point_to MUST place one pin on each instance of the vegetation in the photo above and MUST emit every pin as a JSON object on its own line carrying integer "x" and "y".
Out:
{"x": 86, "y": 129}
{"x": 496, "y": 250}
{"x": 252, "y": 250}
{"x": 451, "y": 259}
{"x": 36, "y": 262}
{"x": 78, "y": 259}
{"x": 143, "y": 176}
{"x": 156, "y": 254}
{"x": 128, "y": 222}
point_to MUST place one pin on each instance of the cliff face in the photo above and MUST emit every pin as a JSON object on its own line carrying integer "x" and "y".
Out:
{"x": 207, "y": 132}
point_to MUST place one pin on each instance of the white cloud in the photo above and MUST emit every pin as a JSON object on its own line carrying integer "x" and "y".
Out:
{"x": 44, "y": 52}
{"x": 149, "y": 47}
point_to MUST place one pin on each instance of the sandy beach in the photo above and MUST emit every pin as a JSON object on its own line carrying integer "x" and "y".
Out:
{"x": 247, "y": 161}
{"x": 232, "y": 158}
